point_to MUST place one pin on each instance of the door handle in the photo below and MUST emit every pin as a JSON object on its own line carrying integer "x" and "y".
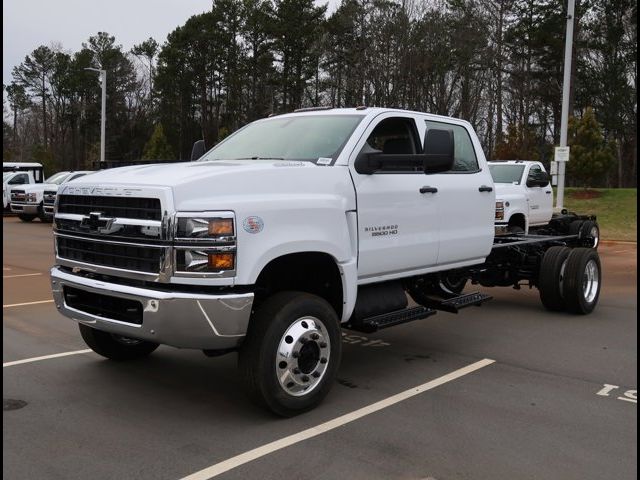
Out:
{"x": 428, "y": 190}
{"x": 548, "y": 192}
{"x": 485, "y": 188}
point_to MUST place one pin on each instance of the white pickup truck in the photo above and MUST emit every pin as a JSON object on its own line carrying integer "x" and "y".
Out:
{"x": 28, "y": 201}
{"x": 524, "y": 203}
{"x": 18, "y": 173}
{"x": 289, "y": 229}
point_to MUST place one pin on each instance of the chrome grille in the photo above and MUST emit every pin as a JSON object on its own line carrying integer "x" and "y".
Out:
{"x": 49, "y": 197}
{"x": 121, "y": 207}
{"x": 17, "y": 195}
{"x": 140, "y": 258}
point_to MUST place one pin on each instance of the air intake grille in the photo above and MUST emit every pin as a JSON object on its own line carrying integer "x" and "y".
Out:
{"x": 128, "y": 257}
{"x": 106, "y": 306}
{"x": 122, "y": 207}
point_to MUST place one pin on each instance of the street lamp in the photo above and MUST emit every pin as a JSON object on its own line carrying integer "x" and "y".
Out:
{"x": 566, "y": 87}
{"x": 103, "y": 120}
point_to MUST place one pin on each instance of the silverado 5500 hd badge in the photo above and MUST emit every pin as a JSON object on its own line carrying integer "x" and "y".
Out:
{"x": 382, "y": 230}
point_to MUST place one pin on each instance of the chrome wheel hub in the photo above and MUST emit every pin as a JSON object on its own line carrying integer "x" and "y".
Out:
{"x": 590, "y": 281}
{"x": 303, "y": 356}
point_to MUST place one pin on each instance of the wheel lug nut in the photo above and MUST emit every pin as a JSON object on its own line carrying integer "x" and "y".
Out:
{"x": 315, "y": 336}
{"x": 323, "y": 360}
{"x": 296, "y": 371}
{"x": 305, "y": 379}
{"x": 323, "y": 344}
{"x": 316, "y": 374}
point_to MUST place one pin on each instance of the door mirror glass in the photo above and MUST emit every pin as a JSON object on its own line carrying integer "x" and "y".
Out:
{"x": 438, "y": 150}
{"x": 198, "y": 150}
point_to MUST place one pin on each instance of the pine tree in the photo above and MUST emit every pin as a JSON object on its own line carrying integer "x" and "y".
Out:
{"x": 157, "y": 148}
{"x": 591, "y": 156}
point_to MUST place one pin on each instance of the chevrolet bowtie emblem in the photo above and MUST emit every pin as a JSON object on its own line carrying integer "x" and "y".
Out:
{"x": 95, "y": 222}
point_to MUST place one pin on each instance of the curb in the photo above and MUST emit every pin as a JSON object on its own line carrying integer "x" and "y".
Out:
{"x": 618, "y": 242}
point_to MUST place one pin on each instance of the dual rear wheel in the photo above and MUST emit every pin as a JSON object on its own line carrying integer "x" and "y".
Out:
{"x": 570, "y": 279}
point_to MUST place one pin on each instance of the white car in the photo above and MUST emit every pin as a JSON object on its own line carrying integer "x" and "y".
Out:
{"x": 28, "y": 201}
{"x": 51, "y": 191}
{"x": 524, "y": 197}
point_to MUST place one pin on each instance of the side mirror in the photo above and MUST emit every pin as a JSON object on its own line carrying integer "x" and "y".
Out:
{"x": 198, "y": 150}
{"x": 438, "y": 150}
{"x": 367, "y": 161}
{"x": 540, "y": 179}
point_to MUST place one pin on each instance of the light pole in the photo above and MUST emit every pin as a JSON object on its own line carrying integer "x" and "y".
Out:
{"x": 103, "y": 119}
{"x": 566, "y": 85}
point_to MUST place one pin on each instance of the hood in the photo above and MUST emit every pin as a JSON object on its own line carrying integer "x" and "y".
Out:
{"x": 34, "y": 187}
{"x": 194, "y": 184}
{"x": 507, "y": 189}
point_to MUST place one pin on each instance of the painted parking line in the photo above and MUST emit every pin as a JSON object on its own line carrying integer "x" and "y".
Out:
{"x": 22, "y": 275}
{"x": 26, "y": 303}
{"x": 45, "y": 357}
{"x": 238, "y": 460}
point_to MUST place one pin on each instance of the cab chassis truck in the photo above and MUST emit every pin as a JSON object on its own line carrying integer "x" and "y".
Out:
{"x": 290, "y": 229}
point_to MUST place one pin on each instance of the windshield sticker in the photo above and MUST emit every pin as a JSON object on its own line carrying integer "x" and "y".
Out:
{"x": 253, "y": 224}
{"x": 324, "y": 161}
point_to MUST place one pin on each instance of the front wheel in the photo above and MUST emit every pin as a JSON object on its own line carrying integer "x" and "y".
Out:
{"x": 26, "y": 218}
{"x": 115, "y": 347}
{"x": 290, "y": 356}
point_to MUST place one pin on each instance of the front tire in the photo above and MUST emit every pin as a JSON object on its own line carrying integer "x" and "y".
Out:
{"x": 26, "y": 218}
{"x": 115, "y": 347}
{"x": 291, "y": 354}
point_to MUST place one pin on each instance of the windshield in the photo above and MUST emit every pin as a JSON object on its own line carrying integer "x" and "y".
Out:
{"x": 506, "y": 173}
{"x": 57, "y": 178}
{"x": 310, "y": 137}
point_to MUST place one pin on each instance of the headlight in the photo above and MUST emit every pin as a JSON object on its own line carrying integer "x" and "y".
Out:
{"x": 205, "y": 244}
{"x": 205, "y": 228}
{"x": 499, "y": 210}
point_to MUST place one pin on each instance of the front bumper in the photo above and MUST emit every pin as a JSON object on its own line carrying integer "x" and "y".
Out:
{"x": 27, "y": 208}
{"x": 184, "y": 320}
{"x": 501, "y": 228}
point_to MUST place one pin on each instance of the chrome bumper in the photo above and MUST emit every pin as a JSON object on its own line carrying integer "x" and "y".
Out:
{"x": 28, "y": 208}
{"x": 501, "y": 229}
{"x": 184, "y": 320}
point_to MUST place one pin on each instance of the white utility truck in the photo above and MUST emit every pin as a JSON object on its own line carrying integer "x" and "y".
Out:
{"x": 28, "y": 201}
{"x": 289, "y": 229}
{"x": 51, "y": 190}
{"x": 524, "y": 202}
{"x": 18, "y": 173}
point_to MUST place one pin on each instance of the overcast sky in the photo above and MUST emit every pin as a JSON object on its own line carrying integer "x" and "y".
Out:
{"x": 27, "y": 24}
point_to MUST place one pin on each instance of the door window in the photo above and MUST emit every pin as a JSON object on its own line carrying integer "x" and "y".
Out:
{"x": 19, "y": 179}
{"x": 395, "y": 136}
{"x": 465, "y": 159}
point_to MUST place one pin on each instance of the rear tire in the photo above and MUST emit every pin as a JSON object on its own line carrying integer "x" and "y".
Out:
{"x": 582, "y": 281}
{"x": 589, "y": 228}
{"x": 26, "y": 218}
{"x": 550, "y": 278}
{"x": 291, "y": 354}
{"x": 115, "y": 347}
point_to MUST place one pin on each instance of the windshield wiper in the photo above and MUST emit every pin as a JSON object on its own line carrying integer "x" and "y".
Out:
{"x": 259, "y": 158}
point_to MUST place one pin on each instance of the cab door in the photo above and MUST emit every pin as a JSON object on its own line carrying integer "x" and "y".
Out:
{"x": 466, "y": 200}
{"x": 398, "y": 226}
{"x": 539, "y": 198}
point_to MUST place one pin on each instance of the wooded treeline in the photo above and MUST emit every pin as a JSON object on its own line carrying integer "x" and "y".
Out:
{"x": 495, "y": 63}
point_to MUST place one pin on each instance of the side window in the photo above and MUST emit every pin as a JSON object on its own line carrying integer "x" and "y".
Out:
{"x": 465, "y": 155}
{"x": 396, "y": 135}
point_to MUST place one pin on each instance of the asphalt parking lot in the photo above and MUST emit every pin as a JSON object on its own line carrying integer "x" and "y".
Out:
{"x": 557, "y": 402}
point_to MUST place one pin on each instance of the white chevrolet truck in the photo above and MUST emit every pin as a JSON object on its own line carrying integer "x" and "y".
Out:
{"x": 289, "y": 229}
{"x": 31, "y": 201}
{"x": 524, "y": 202}
{"x": 19, "y": 173}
